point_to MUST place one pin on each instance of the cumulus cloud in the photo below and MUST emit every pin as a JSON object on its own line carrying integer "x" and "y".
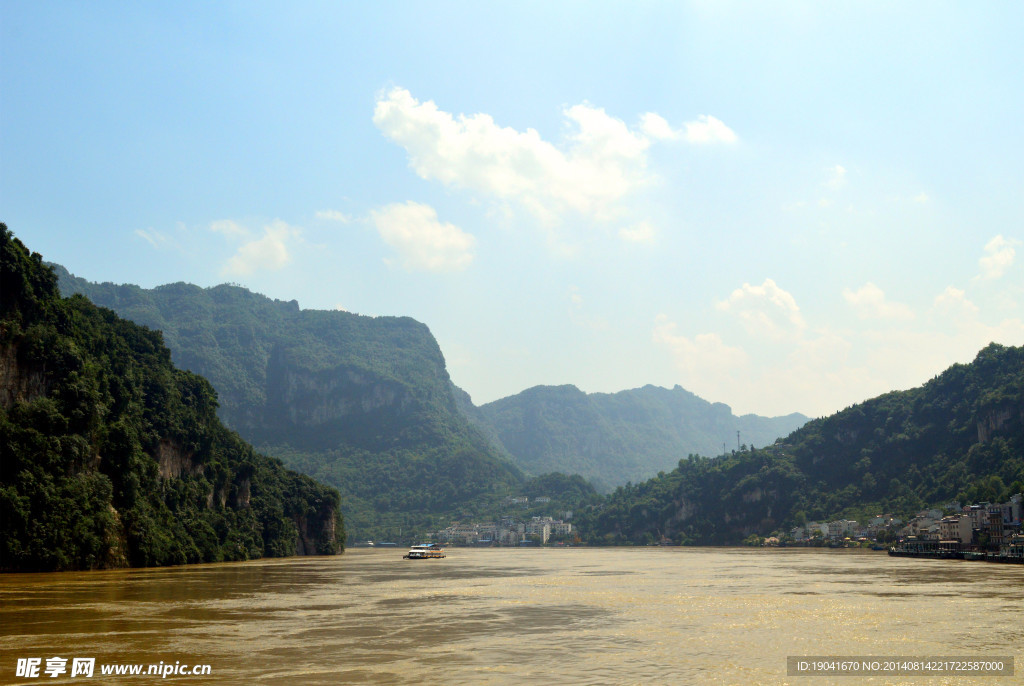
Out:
{"x": 953, "y": 303}
{"x": 870, "y": 303}
{"x": 604, "y": 163}
{"x": 999, "y": 257}
{"x": 268, "y": 252}
{"x": 708, "y": 129}
{"x": 766, "y": 310}
{"x": 334, "y": 216}
{"x": 705, "y": 129}
{"x": 783, "y": 363}
{"x": 601, "y": 163}
{"x": 704, "y": 358}
{"x": 654, "y": 126}
{"x": 422, "y": 241}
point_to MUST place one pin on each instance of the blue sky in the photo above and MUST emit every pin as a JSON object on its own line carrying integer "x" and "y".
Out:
{"x": 782, "y": 207}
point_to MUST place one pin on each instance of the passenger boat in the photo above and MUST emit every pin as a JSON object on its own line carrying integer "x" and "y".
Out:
{"x": 424, "y": 551}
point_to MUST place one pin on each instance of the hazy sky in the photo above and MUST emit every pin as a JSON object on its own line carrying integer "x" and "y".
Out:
{"x": 779, "y": 206}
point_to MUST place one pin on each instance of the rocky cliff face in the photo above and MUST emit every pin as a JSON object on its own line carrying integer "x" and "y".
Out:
{"x": 314, "y": 530}
{"x": 173, "y": 462}
{"x": 994, "y": 421}
{"x": 309, "y": 398}
{"x": 17, "y": 382}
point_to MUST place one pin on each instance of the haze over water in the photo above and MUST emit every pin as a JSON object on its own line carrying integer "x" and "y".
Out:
{"x": 518, "y": 616}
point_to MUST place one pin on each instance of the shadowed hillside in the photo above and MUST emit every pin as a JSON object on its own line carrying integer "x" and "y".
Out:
{"x": 113, "y": 457}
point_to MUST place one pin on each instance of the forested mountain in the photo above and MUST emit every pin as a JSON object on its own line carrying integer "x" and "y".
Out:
{"x": 362, "y": 403}
{"x": 959, "y": 436}
{"x": 113, "y": 457}
{"x": 612, "y": 438}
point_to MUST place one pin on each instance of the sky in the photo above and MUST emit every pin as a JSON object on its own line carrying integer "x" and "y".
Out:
{"x": 784, "y": 207}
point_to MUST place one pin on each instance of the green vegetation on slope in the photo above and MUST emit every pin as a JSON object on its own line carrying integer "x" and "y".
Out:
{"x": 612, "y": 438}
{"x": 113, "y": 457}
{"x": 362, "y": 403}
{"x": 960, "y": 436}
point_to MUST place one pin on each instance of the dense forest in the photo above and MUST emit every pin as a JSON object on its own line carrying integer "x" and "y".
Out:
{"x": 612, "y": 438}
{"x": 364, "y": 404}
{"x": 958, "y": 437}
{"x": 113, "y": 457}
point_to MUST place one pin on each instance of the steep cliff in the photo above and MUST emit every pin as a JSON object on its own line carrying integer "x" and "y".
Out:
{"x": 113, "y": 457}
{"x": 362, "y": 403}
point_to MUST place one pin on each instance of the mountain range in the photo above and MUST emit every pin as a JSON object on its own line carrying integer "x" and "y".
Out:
{"x": 366, "y": 404}
{"x": 130, "y": 453}
{"x": 614, "y": 438}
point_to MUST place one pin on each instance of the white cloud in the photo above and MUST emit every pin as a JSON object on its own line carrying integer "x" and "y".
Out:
{"x": 334, "y": 216}
{"x": 953, "y": 303}
{"x": 605, "y": 161}
{"x": 269, "y": 252}
{"x": 766, "y": 310}
{"x": 154, "y": 238}
{"x": 784, "y": 364}
{"x": 655, "y": 126}
{"x": 705, "y": 129}
{"x": 704, "y": 359}
{"x": 641, "y": 232}
{"x": 921, "y": 198}
{"x": 1000, "y": 255}
{"x": 836, "y": 177}
{"x": 870, "y": 302}
{"x": 229, "y": 228}
{"x": 423, "y": 243}
{"x": 601, "y": 163}
{"x": 708, "y": 129}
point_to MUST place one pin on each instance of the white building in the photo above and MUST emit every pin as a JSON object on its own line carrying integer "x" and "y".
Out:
{"x": 842, "y": 528}
{"x": 955, "y": 528}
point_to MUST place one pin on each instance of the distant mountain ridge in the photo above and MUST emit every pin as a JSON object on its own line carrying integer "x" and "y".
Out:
{"x": 612, "y": 438}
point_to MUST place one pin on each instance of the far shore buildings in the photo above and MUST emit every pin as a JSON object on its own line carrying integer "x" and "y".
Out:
{"x": 509, "y": 531}
{"x": 978, "y": 526}
{"x": 990, "y": 525}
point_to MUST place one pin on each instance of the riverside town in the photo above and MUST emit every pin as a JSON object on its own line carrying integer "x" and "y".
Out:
{"x": 982, "y": 531}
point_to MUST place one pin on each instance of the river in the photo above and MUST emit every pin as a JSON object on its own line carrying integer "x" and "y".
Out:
{"x": 518, "y": 616}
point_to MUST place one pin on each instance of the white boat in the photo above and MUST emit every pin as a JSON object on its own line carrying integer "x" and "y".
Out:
{"x": 424, "y": 551}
